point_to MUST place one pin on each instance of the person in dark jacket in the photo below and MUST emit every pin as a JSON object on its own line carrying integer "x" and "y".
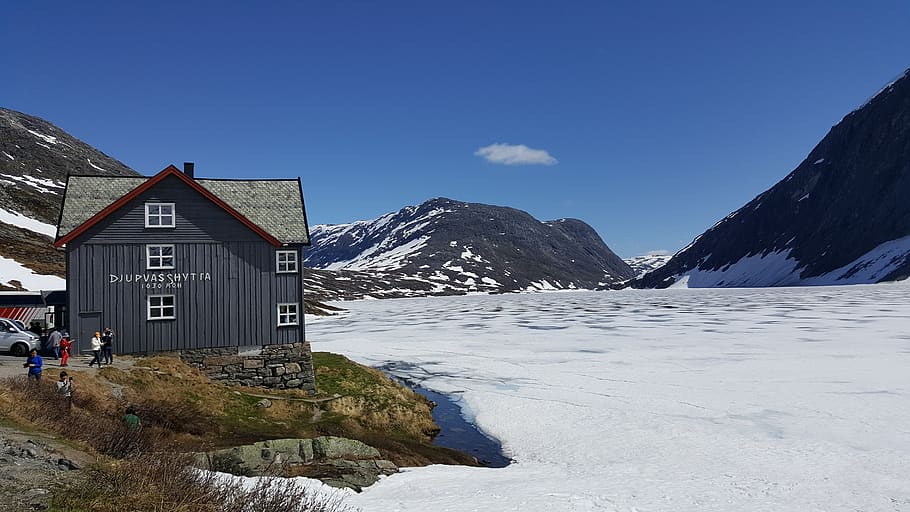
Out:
{"x": 107, "y": 346}
{"x": 34, "y": 365}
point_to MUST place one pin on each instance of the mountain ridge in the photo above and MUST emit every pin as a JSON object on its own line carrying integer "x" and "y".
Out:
{"x": 471, "y": 247}
{"x": 840, "y": 217}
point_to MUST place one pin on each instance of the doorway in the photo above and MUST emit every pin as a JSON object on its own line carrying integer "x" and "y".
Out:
{"x": 89, "y": 324}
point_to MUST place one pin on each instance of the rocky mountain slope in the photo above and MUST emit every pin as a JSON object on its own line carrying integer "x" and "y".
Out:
{"x": 841, "y": 217}
{"x": 35, "y": 159}
{"x": 446, "y": 247}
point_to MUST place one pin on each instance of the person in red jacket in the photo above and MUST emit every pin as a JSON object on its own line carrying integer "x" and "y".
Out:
{"x": 65, "y": 346}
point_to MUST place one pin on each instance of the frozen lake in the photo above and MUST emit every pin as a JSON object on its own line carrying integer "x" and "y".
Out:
{"x": 735, "y": 400}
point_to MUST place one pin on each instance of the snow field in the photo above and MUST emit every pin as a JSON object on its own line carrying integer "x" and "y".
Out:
{"x": 760, "y": 399}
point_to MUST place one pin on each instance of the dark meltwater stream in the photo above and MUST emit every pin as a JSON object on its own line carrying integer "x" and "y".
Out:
{"x": 461, "y": 435}
{"x": 455, "y": 432}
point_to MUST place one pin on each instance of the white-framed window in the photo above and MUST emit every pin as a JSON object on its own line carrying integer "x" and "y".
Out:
{"x": 286, "y": 261}
{"x": 159, "y": 257}
{"x": 161, "y": 307}
{"x": 159, "y": 215}
{"x": 287, "y": 314}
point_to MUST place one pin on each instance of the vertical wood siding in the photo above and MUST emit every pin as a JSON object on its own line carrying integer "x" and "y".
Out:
{"x": 237, "y": 306}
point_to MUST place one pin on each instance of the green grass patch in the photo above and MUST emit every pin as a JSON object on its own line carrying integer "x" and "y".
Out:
{"x": 336, "y": 374}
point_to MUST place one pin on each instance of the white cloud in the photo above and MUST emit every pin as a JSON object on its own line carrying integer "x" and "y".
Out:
{"x": 515, "y": 154}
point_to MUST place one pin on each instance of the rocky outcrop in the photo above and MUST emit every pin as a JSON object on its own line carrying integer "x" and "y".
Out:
{"x": 336, "y": 461}
{"x": 288, "y": 366}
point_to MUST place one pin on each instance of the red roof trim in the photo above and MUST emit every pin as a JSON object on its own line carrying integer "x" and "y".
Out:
{"x": 167, "y": 171}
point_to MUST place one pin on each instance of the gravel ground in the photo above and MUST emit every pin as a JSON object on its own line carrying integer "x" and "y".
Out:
{"x": 33, "y": 467}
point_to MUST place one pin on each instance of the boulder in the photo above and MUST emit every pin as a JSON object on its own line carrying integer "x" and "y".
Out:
{"x": 330, "y": 447}
{"x": 342, "y": 462}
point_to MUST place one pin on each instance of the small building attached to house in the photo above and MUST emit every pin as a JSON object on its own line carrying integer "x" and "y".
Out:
{"x": 173, "y": 263}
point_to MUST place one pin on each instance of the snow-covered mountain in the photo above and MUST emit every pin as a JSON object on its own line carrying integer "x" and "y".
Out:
{"x": 841, "y": 217}
{"x": 35, "y": 159}
{"x": 447, "y": 247}
{"x": 648, "y": 262}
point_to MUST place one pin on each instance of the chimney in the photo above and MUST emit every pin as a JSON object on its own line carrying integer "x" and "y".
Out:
{"x": 189, "y": 168}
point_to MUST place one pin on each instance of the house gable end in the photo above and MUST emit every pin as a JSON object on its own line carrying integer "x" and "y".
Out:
{"x": 150, "y": 183}
{"x": 197, "y": 220}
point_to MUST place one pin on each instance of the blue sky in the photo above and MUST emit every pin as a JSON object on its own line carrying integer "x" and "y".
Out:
{"x": 653, "y": 120}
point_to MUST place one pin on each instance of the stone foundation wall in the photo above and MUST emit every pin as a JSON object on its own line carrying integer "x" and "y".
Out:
{"x": 287, "y": 366}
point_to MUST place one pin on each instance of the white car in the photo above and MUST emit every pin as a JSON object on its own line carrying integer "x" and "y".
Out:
{"x": 16, "y": 341}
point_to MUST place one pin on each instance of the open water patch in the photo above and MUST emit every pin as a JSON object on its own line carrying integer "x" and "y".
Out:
{"x": 459, "y": 434}
{"x": 455, "y": 431}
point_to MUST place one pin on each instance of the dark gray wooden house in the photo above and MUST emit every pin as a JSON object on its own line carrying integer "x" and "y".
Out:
{"x": 174, "y": 263}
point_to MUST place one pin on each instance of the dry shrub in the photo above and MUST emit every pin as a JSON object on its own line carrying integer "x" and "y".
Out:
{"x": 173, "y": 416}
{"x": 168, "y": 482}
{"x": 86, "y": 421}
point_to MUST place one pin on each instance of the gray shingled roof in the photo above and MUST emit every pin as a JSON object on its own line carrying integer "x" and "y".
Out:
{"x": 276, "y": 206}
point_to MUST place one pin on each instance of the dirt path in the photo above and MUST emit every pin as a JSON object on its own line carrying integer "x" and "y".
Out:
{"x": 12, "y": 366}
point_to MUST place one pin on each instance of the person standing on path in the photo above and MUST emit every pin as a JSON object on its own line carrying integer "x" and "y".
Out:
{"x": 53, "y": 342}
{"x": 34, "y": 365}
{"x": 65, "y": 389}
{"x": 65, "y": 347}
{"x": 96, "y": 350}
{"x": 107, "y": 346}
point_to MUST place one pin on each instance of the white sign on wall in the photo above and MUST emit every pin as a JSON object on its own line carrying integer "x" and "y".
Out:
{"x": 160, "y": 280}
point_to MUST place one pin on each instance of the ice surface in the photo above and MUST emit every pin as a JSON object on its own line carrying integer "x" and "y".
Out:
{"x": 786, "y": 399}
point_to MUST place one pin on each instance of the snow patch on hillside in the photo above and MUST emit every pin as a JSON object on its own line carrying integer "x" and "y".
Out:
{"x": 19, "y": 220}
{"x": 41, "y": 184}
{"x": 388, "y": 253}
{"x": 47, "y": 138}
{"x": 779, "y": 269}
{"x": 772, "y": 269}
{"x": 381, "y": 256}
{"x": 95, "y": 166}
{"x": 648, "y": 262}
{"x": 12, "y": 270}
